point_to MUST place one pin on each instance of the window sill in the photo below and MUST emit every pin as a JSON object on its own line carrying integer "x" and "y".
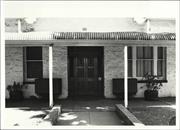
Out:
{"x": 158, "y": 81}
{"x": 29, "y": 82}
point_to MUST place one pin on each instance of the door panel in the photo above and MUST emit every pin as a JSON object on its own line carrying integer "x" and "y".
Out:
{"x": 91, "y": 76}
{"x": 83, "y": 75}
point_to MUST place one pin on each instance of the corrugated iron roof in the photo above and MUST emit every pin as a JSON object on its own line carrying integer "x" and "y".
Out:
{"x": 90, "y": 36}
{"x": 114, "y": 36}
{"x": 29, "y": 36}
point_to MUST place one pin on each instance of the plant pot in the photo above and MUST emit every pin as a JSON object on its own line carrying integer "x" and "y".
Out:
{"x": 151, "y": 95}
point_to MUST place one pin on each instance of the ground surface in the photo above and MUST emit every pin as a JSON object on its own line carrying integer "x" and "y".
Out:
{"x": 156, "y": 112}
{"x": 89, "y": 118}
{"x": 154, "y": 116}
{"x": 149, "y": 112}
{"x": 24, "y": 116}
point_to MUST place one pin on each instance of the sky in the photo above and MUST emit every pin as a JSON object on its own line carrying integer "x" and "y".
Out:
{"x": 153, "y": 9}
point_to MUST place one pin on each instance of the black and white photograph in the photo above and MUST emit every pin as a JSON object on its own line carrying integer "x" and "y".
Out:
{"x": 89, "y": 65}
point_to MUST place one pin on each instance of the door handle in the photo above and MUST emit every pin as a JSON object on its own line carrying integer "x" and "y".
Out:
{"x": 99, "y": 78}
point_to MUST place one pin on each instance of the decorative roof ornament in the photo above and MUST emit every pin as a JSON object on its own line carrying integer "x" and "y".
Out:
{"x": 28, "y": 24}
{"x": 140, "y": 20}
{"x": 30, "y": 20}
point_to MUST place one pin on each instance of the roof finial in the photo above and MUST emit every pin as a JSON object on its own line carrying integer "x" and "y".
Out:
{"x": 19, "y": 26}
{"x": 148, "y": 28}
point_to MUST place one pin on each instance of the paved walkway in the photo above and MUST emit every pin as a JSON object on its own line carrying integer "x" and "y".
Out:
{"x": 89, "y": 103}
{"x": 87, "y": 111}
{"x": 149, "y": 112}
{"x": 24, "y": 117}
{"x": 89, "y": 118}
{"x": 109, "y": 104}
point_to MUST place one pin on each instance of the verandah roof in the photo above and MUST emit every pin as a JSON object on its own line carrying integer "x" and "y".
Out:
{"x": 90, "y": 36}
{"x": 114, "y": 36}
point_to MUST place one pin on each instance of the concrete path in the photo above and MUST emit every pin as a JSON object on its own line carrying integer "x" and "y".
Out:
{"x": 149, "y": 112}
{"x": 24, "y": 117}
{"x": 89, "y": 118}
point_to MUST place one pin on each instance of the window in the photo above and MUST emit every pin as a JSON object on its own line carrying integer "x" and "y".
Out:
{"x": 145, "y": 59}
{"x": 130, "y": 59}
{"x": 161, "y": 62}
{"x": 144, "y": 62}
{"x": 33, "y": 62}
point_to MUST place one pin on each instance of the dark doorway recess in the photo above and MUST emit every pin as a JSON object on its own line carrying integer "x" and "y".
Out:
{"x": 85, "y": 71}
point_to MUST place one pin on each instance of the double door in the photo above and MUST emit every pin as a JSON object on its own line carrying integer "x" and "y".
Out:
{"x": 85, "y": 76}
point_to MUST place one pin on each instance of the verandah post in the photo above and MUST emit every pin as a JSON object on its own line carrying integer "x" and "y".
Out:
{"x": 51, "y": 75}
{"x": 125, "y": 77}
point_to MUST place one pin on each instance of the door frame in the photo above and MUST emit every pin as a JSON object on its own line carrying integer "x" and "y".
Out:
{"x": 100, "y": 54}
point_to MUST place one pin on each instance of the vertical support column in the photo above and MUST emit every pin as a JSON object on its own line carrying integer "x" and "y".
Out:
{"x": 51, "y": 75}
{"x": 125, "y": 77}
{"x": 155, "y": 59}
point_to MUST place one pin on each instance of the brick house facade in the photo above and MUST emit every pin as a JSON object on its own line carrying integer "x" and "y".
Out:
{"x": 113, "y": 54}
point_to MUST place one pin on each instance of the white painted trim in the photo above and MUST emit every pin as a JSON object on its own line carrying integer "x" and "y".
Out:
{"x": 90, "y": 42}
{"x": 134, "y": 61}
{"x": 25, "y": 64}
{"x": 155, "y": 59}
{"x": 125, "y": 77}
{"x": 50, "y": 76}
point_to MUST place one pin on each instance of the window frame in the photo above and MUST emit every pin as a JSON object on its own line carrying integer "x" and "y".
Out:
{"x": 155, "y": 62}
{"x": 26, "y": 79}
{"x": 163, "y": 77}
{"x": 143, "y": 59}
{"x": 130, "y": 59}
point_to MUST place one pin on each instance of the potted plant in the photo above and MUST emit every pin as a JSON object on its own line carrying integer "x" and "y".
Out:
{"x": 153, "y": 85}
{"x": 15, "y": 91}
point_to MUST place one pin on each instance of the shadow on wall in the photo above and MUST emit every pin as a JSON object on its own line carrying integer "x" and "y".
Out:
{"x": 141, "y": 87}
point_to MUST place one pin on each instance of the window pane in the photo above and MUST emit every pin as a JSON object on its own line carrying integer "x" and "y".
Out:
{"x": 80, "y": 72}
{"x": 139, "y": 68}
{"x": 144, "y": 52}
{"x": 161, "y": 63}
{"x": 80, "y": 61}
{"x": 34, "y": 53}
{"x": 129, "y": 68}
{"x": 139, "y": 52}
{"x": 90, "y": 61}
{"x": 164, "y": 52}
{"x": 91, "y": 73}
{"x": 148, "y": 53}
{"x": 161, "y": 68}
{"x": 148, "y": 67}
{"x": 161, "y": 52}
{"x": 34, "y": 69}
{"x": 145, "y": 65}
{"x": 129, "y": 52}
{"x": 130, "y": 61}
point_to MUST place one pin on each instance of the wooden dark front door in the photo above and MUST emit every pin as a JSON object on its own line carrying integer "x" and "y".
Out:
{"x": 85, "y": 71}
